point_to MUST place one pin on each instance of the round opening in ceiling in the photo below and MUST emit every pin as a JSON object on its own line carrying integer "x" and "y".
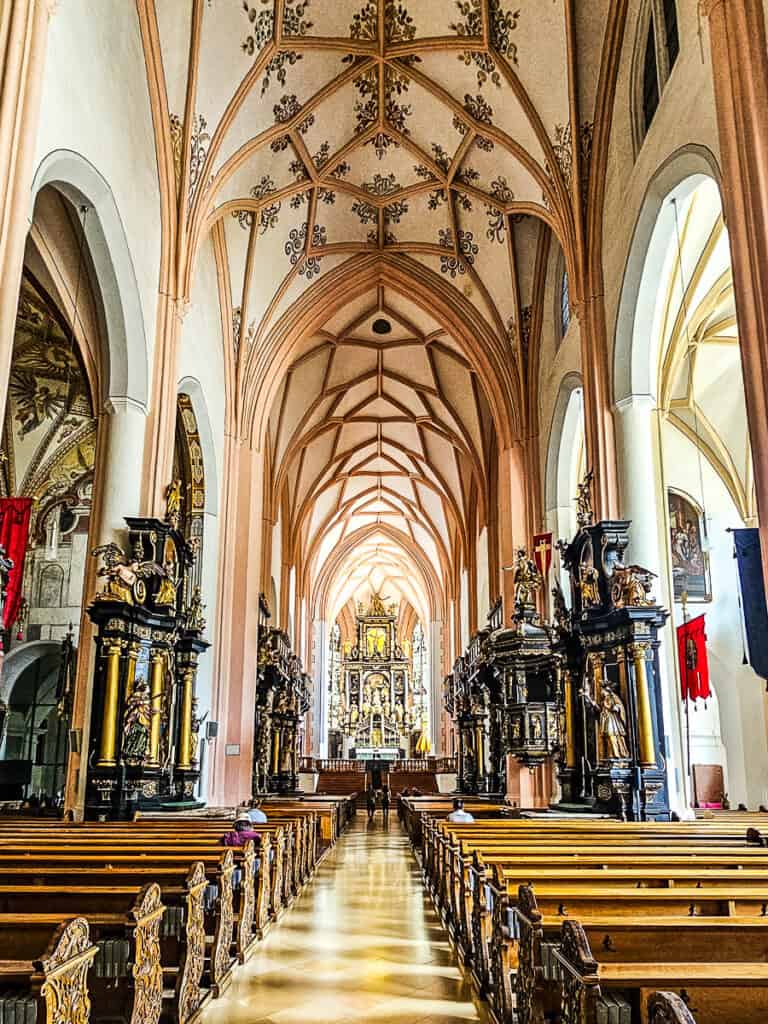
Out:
{"x": 381, "y": 326}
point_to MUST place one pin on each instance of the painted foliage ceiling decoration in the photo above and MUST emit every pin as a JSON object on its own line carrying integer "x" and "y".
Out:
{"x": 325, "y": 128}
{"x": 49, "y": 435}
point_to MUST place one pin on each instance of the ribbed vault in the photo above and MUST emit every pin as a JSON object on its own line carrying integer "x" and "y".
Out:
{"x": 381, "y": 422}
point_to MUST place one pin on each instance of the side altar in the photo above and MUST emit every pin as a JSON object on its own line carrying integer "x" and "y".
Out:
{"x": 144, "y": 722}
{"x": 578, "y": 698}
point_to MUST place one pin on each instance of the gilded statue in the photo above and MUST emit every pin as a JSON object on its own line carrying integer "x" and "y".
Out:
{"x": 588, "y": 586}
{"x": 377, "y": 605}
{"x": 124, "y": 579}
{"x": 527, "y": 579}
{"x": 631, "y": 586}
{"x": 173, "y": 503}
{"x": 584, "y": 513}
{"x": 166, "y": 594}
{"x": 197, "y": 722}
{"x": 611, "y": 725}
{"x": 195, "y": 619}
{"x": 136, "y": 723}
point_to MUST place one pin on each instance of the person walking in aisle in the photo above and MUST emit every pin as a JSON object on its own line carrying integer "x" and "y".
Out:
{"x": 371, "y": 802}
{"x": 385, "y": 798}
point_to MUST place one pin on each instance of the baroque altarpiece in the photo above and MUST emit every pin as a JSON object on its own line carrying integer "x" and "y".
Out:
{"x": 377, "y": 700}
{"x": 580, "y": 695}
{"x": 283, "y": 697}
{"x": 144, "y": 722}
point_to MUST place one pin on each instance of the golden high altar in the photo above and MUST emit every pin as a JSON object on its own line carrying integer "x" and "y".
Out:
{"x": 379, "y": 705}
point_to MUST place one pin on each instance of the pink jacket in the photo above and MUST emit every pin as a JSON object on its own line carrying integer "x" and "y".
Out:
{"x": 235, "y": 838}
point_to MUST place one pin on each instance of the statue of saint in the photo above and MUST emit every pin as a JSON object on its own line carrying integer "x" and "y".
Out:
{"x": 611, "y": 725}
{"x": 584, "y": 513}
{"x": 173, "y": 503}
{"x": 136, "y": 722}
{"x": 588, "y": 586}
{"x": 166, "y": 594}
{"x": 195, "y": 619}
{"x": 527, "y": 579}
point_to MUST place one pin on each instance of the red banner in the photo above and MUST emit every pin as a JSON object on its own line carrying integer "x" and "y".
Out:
{"x": 14, "y": 530}
{"x": 694, "y": 666}
{"x": 542, "y": 552}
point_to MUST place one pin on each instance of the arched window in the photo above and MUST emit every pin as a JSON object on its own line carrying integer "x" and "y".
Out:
{"x": 565, "y": 305}
{"x": 657, "y": 48}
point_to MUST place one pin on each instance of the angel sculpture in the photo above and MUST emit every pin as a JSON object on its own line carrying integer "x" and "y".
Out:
{"x": 124, "y": 578}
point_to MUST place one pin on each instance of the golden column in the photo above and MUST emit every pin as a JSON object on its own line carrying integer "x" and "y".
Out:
{"x": 570, "y": 731}
{"x": 184, "y": 758}
{"x": 647, "y": 750}
{"x": 108, "y": 742}
{"x": 156, "y": 687}
{"x": 131, "y": 654}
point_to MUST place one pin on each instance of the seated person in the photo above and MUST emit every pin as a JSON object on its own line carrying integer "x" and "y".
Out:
{"x": 458, "y": 814}
{"x": 241, "y": 832}
{"x": 255, "y": 813}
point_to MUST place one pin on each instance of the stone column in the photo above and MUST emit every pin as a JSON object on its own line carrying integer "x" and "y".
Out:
{"x": 234, "y": 697}
{"x": 434, "y": 685}
{"x": 23, "y": 37}
{"x": 119, "y": 481}
{"x": 513, "y": 522}
{"x": 598, "y": 415}
{"x": 321, "y": 696}
{"x": 642, "y": 500}
{"x": 737, "y": 38}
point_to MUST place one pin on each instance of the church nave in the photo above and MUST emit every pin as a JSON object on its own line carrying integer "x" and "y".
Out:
{"x": 363, "y": 943}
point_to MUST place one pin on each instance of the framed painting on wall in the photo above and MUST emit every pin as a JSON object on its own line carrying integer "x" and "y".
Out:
{"x": 690, "y": 563}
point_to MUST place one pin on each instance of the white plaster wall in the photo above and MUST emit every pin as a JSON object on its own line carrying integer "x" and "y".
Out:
{"x": 741, "y": 693}
{"x": 277, "y": 566}
{"x": 686, "y": 117}
{"x": 95, "y": 102}
{"x": 560, "y": 356}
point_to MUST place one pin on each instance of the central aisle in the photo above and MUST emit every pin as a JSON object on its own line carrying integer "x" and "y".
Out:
{"x": 363, "y": 943}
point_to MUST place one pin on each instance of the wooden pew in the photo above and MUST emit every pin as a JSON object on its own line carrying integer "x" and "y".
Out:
{"x": 524, "y": 942}
{"x": 571, "y": 859}
{"x": 44, "y": 969}
{"x": 719, "y": 993}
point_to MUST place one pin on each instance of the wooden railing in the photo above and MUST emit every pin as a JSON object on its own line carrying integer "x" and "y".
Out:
{"x": 438, "y": 765}
{"x": 317, "y": 764}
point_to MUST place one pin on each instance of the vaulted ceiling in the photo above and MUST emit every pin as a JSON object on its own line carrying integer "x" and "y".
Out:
{"x": 317, "y": 129}
{"x": 380, "y": 420}
{"x": 433, "y": 137}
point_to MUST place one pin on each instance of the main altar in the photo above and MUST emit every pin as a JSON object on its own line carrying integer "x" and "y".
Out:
{"x": 380, "y": 708}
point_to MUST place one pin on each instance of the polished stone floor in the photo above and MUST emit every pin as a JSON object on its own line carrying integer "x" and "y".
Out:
{"x": 363, "y": 943}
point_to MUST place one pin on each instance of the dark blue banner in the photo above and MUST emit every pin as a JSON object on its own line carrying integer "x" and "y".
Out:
{"x": 750, "y": 561}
